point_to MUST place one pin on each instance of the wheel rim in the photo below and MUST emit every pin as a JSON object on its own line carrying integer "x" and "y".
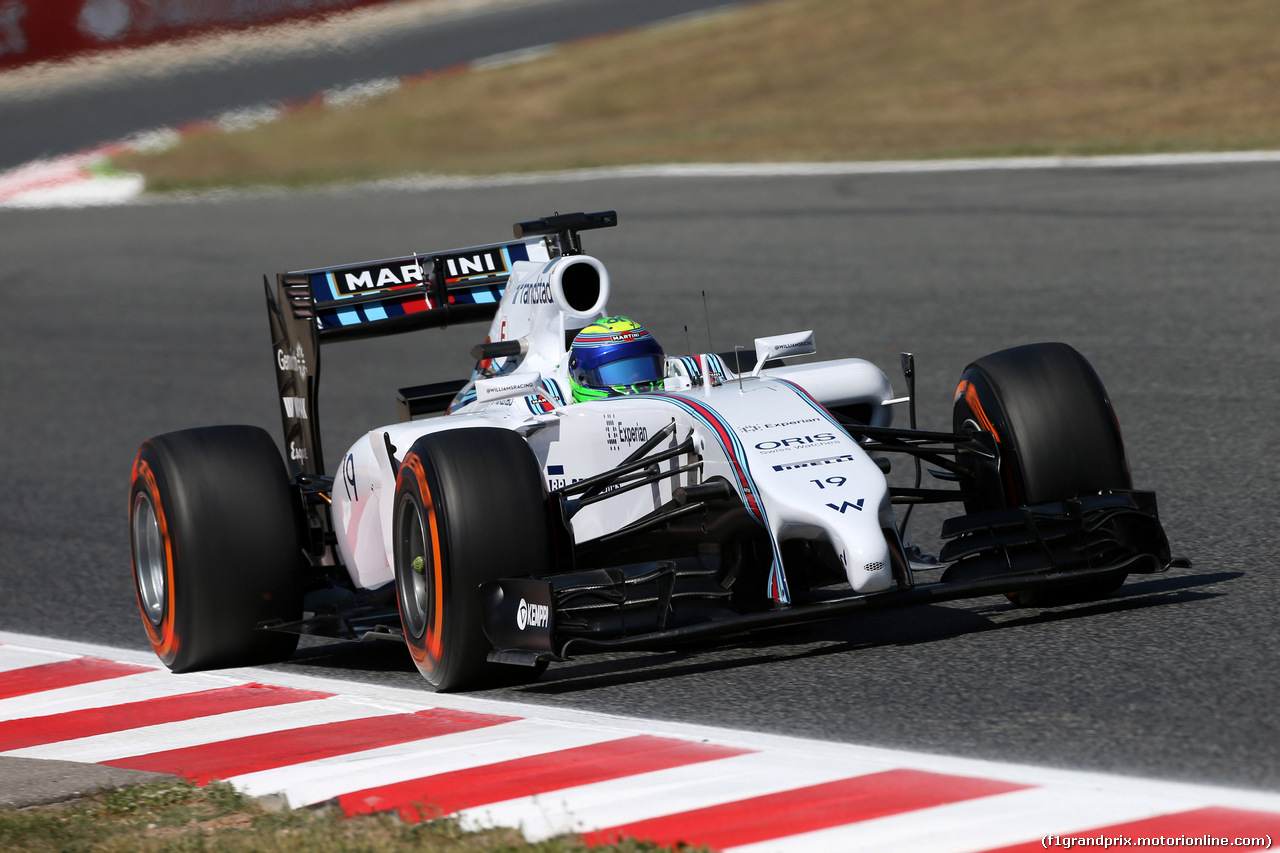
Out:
{"x": 148, "y": 558}
{"x": 412, "y": 584}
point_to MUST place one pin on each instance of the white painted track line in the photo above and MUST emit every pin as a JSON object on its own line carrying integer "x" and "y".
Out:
{"x": 68, "y": 182}
{"x": 19, "y": 657}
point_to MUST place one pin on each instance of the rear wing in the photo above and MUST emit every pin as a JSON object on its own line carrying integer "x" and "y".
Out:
{"x": 390, "y": 296}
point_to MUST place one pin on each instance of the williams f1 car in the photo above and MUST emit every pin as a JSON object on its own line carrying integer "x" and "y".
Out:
{"x": 583, "y": 491}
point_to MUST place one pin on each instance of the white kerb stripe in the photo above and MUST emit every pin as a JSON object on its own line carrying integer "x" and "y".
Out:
{"x": 202, "y": 730}
{"x": 661, "y": 792}
{"x": 318, "y": 781}
{"x": 985, "y": 823}
{"x": 115, "y": 691}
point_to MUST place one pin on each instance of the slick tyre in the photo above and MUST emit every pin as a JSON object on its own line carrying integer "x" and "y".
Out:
{"x": 1057, "y": 433}
{"x": 470, "y": 507}
{"x": 215, "y": 547}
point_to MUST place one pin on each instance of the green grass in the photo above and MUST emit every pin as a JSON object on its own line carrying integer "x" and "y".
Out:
{"x": 801, "y": 80}
{"x": 178, "y": 817}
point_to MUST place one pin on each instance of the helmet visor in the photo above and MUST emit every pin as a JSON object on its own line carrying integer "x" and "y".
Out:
{"x": 626, "y": 371}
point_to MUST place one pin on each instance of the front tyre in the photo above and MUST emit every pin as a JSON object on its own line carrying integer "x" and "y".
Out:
{"x": 1058, "y": 438}
{"x": 215, "y": 547}
{"x": 470, "y": 507}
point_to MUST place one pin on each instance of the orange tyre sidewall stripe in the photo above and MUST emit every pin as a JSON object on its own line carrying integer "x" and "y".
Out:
{"x": 429, "y": 654}
{"x": 970, "y": 395}
{"x": 969, "y": 392}
{"x": 164, "y": 639}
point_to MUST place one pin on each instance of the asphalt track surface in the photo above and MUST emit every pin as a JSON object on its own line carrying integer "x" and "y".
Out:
{"x": 122, "y": 323}
{"x": 97, "y": 111}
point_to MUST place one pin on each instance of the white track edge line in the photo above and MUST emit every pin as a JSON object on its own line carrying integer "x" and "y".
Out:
{"x": 431, "y": 182}
{"x": 127, "y": 190}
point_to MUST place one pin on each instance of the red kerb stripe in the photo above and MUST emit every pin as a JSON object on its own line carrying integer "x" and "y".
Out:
{"x": 446, "y": 793}
{"x": 807, "y": 809}
{"x": 236, "y": 757}
{"x": 17, "y": 734}
{"x": 51, "y": 676}
{"x": 1216, "y": 821}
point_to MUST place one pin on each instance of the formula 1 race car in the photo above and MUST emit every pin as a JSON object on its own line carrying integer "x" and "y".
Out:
{"x": 582, "y": 491}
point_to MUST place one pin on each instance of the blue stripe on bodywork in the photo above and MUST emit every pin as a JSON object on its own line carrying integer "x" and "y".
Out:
{"x": 808, "y": 398}
{"x": 717, "y": 365}
{"x": 778, "y": 589}
{"x": 553, "y": 387}
{"x": 692, "y": 368}
{"x": 329, "y": 284}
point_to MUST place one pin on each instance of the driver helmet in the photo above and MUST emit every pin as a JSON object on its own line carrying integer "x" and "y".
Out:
{"x": 613, "y": 357}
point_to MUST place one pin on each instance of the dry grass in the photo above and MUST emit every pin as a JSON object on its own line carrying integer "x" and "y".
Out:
{"x": 798, "y": 80}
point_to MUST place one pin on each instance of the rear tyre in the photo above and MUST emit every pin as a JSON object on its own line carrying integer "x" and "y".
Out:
{"x": 215, "y": 547}
{"x": 1058, "y": 437}
{"x": 470, "y": 507}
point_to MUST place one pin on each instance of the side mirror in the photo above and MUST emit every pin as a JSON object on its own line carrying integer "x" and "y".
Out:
{"x": 781, "y": 346}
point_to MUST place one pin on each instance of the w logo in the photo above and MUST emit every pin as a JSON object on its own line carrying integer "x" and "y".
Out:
{"x": 848, "y": 505}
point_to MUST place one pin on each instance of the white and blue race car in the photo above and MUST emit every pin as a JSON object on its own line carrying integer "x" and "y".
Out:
{"x": 584, "y": 491}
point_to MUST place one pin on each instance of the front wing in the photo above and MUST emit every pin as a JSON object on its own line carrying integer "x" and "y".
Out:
{"x": 646, "y": 606}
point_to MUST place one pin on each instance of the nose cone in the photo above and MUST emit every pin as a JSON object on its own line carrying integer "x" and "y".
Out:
{"x": 812, "y": 479}
{"x": 863, "y": 549}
